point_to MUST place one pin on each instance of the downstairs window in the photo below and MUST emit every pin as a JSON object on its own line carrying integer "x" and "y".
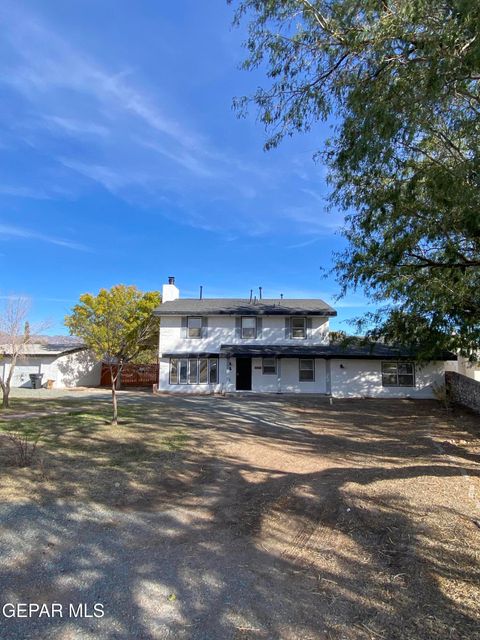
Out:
{"x": 306, "y": 370}
{"x": 193, "y": 370}
{"x": 398, "y": 374}
{"x": 269, "y": 366}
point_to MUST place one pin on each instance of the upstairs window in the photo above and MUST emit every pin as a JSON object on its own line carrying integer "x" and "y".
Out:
{"x": 249, "y": 327}
{"x": 306, "y": 370}
{"x": 194, "y": 327}
{"x": 299, "y": 327}
{"x": 269, "y": 366}
{"x": 398, "y": 374}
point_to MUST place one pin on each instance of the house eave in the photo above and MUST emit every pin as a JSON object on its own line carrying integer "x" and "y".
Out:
{"x": 327, "y": 352}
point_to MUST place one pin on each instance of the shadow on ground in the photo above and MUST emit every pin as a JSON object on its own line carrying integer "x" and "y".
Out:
{"x": 285, "y": 519}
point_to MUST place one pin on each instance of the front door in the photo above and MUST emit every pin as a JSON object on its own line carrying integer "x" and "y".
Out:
{"x": 244, "y": 374}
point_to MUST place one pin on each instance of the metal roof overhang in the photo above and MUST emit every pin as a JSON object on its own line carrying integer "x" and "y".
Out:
{"x": 329, "y": 352}
{"x": 190, "y": 354}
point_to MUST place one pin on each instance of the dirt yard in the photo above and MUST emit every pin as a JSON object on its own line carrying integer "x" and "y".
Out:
{"x": 245, "y": 517}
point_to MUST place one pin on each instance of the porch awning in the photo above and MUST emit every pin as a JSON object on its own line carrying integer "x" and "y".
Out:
{"x": 190, "y": 354}
{"x": 375, "y": 351}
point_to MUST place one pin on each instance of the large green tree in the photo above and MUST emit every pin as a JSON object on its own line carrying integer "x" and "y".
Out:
{"x": 399, "y": 79}
{"x": 117, "y": 325}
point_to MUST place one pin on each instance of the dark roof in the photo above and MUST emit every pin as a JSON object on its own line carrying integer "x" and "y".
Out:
{"x": 376, "y": 351}
{"x": 191, "y": 354}
{"x": 243, "y": 307}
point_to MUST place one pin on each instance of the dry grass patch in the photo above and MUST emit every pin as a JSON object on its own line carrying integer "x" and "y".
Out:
{"x": 143, "y": 463}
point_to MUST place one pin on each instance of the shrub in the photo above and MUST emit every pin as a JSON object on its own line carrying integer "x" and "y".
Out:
{"x": 25, "y": 448}
{"x": 440, "y": 392}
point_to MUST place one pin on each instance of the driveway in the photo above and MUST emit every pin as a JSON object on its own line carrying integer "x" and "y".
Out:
{"x": 309, "y": 521}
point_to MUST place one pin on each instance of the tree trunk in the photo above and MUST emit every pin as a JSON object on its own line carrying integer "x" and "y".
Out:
{"x": 6, "y": 397}
{"x": 6, "y": 382}
{"x": 113, "y": 380}
{"x": 115, "y": 405}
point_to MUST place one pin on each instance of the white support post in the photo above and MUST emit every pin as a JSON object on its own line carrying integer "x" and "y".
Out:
{"x": 328, "y": 377}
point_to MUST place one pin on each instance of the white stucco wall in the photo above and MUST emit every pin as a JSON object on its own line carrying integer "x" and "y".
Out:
{"x": 70, "y": 370}
{"x": 164, "y": 380}
{"x": 349, "y": 379}
{"x": 221, "y": 330}
{"x": 288, "y": 379}
{"x": 355, "y": 378}
{"x": 469, "y": 369}
{"x": 363, "y": 378}
{"x": 24, "y": 367}
{"x": 80, "y": 369}
{"x": 288, "y": 383}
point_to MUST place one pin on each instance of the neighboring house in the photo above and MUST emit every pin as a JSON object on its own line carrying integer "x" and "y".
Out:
{"x": 469, "y": 369}
{"x": 280, "y": 346}
{"x": 66, "y": 365}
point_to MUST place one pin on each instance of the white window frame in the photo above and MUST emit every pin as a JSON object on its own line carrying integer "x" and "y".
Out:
{"x": 213, "y": 361}
{"x": 193, "y": 370}
{"x": 189, "y": 328}
{"x": 176, "y": 363}
{"x": 242, "y": 328}
{"x": 204, "y": 362}
{"x": 397, "y": 374}
{"x": 302, "y": 337}
{"x": 312, "y": 370}
{"x": 180, "y": 379}
{"x": 173, "y": 366}
{"x": 269, "y": 373}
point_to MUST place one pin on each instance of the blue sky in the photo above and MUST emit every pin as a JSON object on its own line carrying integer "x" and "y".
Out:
{"x": 123, "y": 162}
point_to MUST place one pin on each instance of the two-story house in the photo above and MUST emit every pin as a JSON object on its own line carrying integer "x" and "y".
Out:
{"x": 277, "y": 346}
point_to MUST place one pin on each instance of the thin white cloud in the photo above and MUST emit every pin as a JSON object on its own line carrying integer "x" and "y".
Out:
{"x": 314, "y": 220}
{"x": 9, "y": 231}
{"x": 109, "y": 178}
{"x": 49, "y": 63}
{"x": 184, "y": 158}
{"x": 304, "y": 243}
{"x": 75, "y": 127}
{"x": 122, "y": 135}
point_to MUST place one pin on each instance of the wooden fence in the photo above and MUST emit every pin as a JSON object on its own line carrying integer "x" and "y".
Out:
{"x": 133, "y": 375}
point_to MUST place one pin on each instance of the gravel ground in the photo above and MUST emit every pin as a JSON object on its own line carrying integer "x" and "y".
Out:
{"x": 162, "y": 576}
{"x": 347, "y": 522}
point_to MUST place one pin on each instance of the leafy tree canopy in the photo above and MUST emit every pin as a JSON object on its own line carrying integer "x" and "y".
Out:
{"x": 401, "y": 80}
{"x": 117, "y": 325}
